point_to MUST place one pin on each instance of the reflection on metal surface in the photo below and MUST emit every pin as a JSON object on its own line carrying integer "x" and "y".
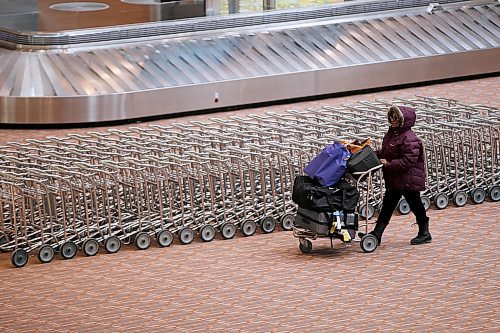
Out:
{"x": 79, "y": 6}
{"x": 124, "y": 21}
{"x": 250, "y": 65}
{"x": 147, "y": 2}
{"x": 48, "y": 18}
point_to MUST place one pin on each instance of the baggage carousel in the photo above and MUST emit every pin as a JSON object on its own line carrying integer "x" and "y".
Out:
{"x": 146, "y": 69}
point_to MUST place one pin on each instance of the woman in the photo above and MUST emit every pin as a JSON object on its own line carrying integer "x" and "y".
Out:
{"x": 402, "y": 155}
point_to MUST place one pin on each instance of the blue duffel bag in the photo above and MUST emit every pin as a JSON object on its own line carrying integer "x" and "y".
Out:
{"x": 330, "y": 165}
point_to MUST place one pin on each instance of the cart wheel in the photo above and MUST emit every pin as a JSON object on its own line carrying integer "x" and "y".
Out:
{"x": 227, "y": 230}
{"x": 164, "y": 238}
{"x": 90, "y": 247}
{"x": 68, "y": 250}
{"x": 46, "y": 254}
{"x": 19, "y": 258}
{"x": 494, "y": 193}
{"x": 305, "y": 245}
{"x": 403, "y": 207}
{"x": 363, "y": 211}
{"x": 369, "y": 243}
{"x": 185, "y": 235}
{"x": 112, "y": 244}
{"x": 478, "y": 195}
{"x": 248, "y": 228}
{"x": 267, "y": 224}
{"x": 287, "y": 221}
{"x": 459, "y": 198}
{"x": 426, "y": 202}
{"x": 142, "y": 241}
{"x": 441, "y": 201}
{"x": 207, "y": 233}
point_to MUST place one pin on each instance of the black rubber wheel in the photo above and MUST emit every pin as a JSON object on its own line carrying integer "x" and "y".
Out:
{"x": 46, "y": 253}
{"x": 287, "y": 222}
{"x": 494, "y": 193}
{"x": 90, "y": 247}
{"x": 426, "y": 202}
{"x": 142, "y": 241}
{"x": 459, "y": 198}
{"x": 207, "y": 233}
{"x": 305, "y": 245}
{"x": 478, "y": 195}
{"x": 248, "y": 228}
{"x": 403, "y": 207}
{"x": 369, "y": 243}
{"x": 185, "y": 235}
{"x": 365, "y": 211}
{"x": 441, "y": 201}
{"x": 112, "y": 244}
{"x": 68, "y": 250}
{"x": 227, "y": 230}
{"x": 164, "y": 238}
{"x": 267, "y": 224}
{"x": 19, "y": 258}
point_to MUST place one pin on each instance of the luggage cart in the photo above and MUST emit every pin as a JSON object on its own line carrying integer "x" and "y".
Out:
{"x": 337, "y": 225}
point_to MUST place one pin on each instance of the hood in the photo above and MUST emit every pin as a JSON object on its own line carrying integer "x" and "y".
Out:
{"x": 406, "y": 116}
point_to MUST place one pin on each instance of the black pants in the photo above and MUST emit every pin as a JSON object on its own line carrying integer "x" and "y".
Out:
{"x": 390, "y": 202}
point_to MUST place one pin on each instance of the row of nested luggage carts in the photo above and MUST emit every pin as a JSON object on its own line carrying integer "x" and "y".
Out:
{"x": 158, "y": 183}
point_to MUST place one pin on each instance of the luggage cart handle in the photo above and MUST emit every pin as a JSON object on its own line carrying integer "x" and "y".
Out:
{"x": 362, "y": 174}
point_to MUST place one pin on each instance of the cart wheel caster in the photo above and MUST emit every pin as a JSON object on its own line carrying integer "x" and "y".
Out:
{"x": 305, "y": 245}
{"x": 142, "y": 241}
{"x": 426, "y": 202}
{"x": 267, "y": 224}
{"x": 494, "y": 193}
{"x": 478, "y": 195}
{"x": 207, "y": 233}
{"x": 369, "y": 243}
{"x": 459, "y": 198}
{"x": 227, "y": 230}
{"x": 164, "y": 238}
{"x": 112, "y": 244}
{"x": 19, "y": 258}
{"x": 287, "y": 221}
{"x": 441, "y": 201}
{"x": 248, "y": 228}
{"x": 363, "y": 212}
{"x": 68, "y": 250}
{"x": 186, "y": 235}
{"x": 90, "y": 247}
{"x": 45, "y": 254}
{"x": 403, "y": 207}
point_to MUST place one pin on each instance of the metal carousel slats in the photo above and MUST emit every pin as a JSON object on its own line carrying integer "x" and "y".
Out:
{"x": 471, "y": 24}
{"x": 456, "y": 36}
{"x": 253, "y": 64}
{"x": 7, "y": 73}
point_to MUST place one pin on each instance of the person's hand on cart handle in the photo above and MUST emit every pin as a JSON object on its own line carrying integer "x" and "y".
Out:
{"x": 384, "y": 161}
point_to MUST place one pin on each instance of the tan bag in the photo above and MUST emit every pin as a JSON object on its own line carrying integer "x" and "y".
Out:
{"x": 355, "y": 145}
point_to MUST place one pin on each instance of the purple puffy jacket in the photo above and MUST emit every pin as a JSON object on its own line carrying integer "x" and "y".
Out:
{"x": 405, "y": 153}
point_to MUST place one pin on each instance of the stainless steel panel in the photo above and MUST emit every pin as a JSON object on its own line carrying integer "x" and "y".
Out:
{"x": 243, "y": 91}
{"x": 257, "y": 64}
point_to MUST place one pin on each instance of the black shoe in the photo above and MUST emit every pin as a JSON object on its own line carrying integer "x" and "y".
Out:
{"x": 421, "y": 239}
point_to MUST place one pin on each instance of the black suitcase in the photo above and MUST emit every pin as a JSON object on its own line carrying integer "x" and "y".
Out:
{"x": 317, "y": 222}
{"x": 321, "y": 222}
